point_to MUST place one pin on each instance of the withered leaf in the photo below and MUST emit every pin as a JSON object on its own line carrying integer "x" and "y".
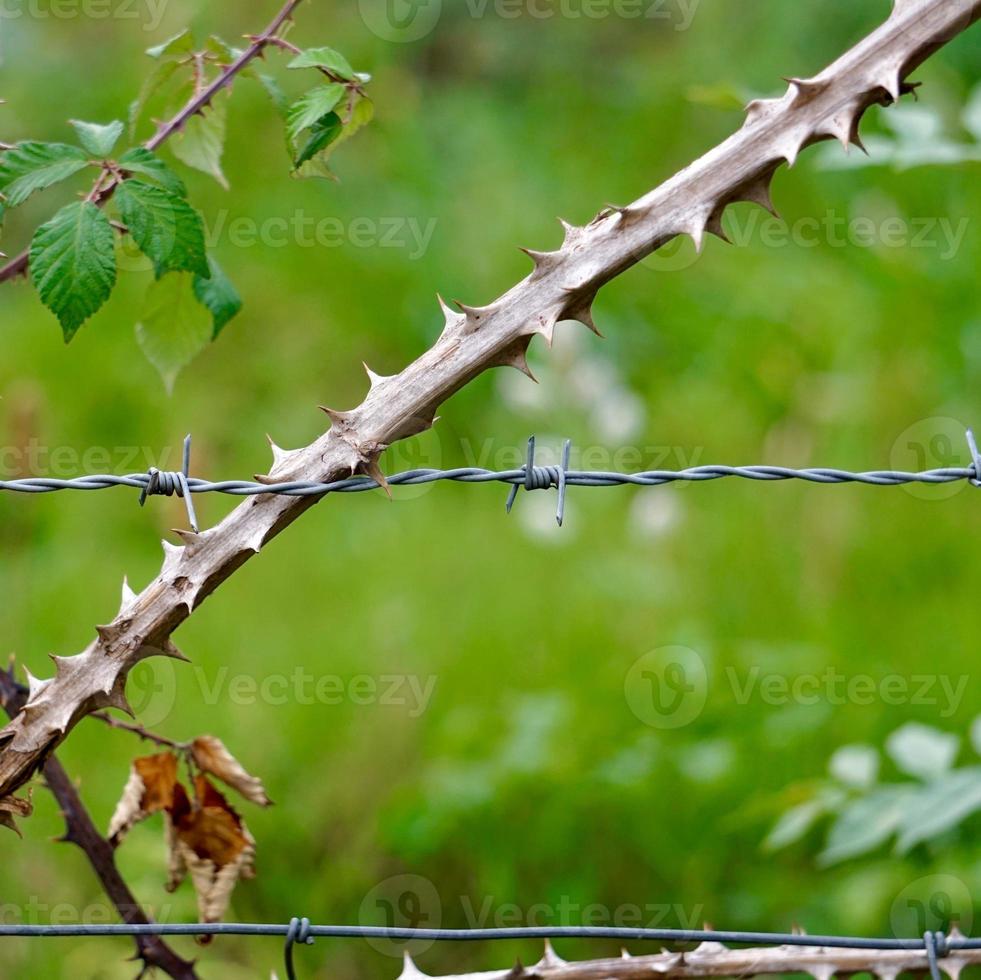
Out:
{"x": 11, "y": 806}
{"x": 212, "y": 843}
{"x": 151, "y": 787}
{"x": 212, "y": 757}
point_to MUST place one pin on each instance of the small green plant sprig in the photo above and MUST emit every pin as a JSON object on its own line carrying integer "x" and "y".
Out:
{"x": 929, "y": 806}
{"x": 138, "y": 201}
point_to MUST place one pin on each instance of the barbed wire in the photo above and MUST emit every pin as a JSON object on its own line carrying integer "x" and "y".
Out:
{"x": 530, "y": 476}
{"x": 936, "y": 944}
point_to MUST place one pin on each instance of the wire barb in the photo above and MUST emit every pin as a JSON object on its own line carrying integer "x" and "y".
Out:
{"x": 544, "y": 478}
{"x": 166, "y": 484}
{"x": 936, "y": 946}
{"x": 298, "y": 931}
{"x": 975, "y": 458}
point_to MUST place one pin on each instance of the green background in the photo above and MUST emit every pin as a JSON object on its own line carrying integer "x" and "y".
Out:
{"x": 528, "y": 778}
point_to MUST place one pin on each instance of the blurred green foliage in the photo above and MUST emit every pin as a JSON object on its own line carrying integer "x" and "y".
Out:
{"x": 528, "y": 778}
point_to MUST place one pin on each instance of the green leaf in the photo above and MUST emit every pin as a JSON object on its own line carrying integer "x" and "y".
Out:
{"x": 940, "y": 806}
{"x": 972, "y": 113}
{"x": 161, "y": 74}
{"x": 219, "y": 296}
{"x": 202, "y": 142}
{"x": 224, "y": 51}
{"x": 98, "y": 140}
{"x": 855, "y": 765}
{"x": 164, "y": 226}
{"x": 357, "y": 117}
{"x": 353, "y": 117}
{"x": 322, "y": 134}
{"x": 175, "y": 47}
{"x": 794, "y": 824}
{"x": 141, "y": 161}
{"x": 922, "y": 751}
{"x": 311, "y": 107}
{"x": 333, "y": 61}
{"x": 73, "y": 264}
{"x": 275, "y": 92}
{"x": 173, "y": 327}
{"x": 31, "y": 166}
{"x": 866, "y": 823}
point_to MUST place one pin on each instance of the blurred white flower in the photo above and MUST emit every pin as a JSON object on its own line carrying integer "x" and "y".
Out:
{"x": 656, "y": 511}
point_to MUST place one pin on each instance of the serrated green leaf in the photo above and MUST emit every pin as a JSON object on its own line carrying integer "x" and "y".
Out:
{"x": 161, "y": 74}
{"x": 174, "y": 47}
{"x": 97, "y": 139}
{"x": 141, "y": 161}
{"x": 354, "y": 116}
{"x": 164, "y": 226}
{"x": 311, "y": 107}
{"x": 333, "y": 61}
{"x": 322, "y": 134}
{"x": 73, "y": 264}
{"x": 32, "y": 166}
{"x": 174, "y": 327}
{"x": 202, "y": 142}
{"x": 219, "y": 296}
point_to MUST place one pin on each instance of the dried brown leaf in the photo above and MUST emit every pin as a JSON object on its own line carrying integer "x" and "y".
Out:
{"x": 213, "y": 844}
{"x": 11, "y": 806}
{"x": 149, "y": 789}
{"x": 213, "y": 757}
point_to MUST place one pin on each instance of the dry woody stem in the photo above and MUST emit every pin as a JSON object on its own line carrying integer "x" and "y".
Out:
{"x": 561, "y": 286}
{"x": 716, "y": 960}
{"x": 81, "y": 831}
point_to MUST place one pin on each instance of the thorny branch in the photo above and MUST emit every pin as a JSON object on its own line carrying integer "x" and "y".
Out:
{"x": 716, "y": 960}
{"x": 199, "y": 101}
{"x": 562, "y": 286}
{"x": 80, "y": 830}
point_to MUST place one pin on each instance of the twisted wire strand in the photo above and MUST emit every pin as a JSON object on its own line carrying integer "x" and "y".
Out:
{"x": 303, "y": 930}
{"x": 543, "y": 477}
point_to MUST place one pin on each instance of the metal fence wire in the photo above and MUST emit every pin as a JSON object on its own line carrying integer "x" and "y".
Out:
{"x": 530, "y": 476}
{"x": 935, "y": 944}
